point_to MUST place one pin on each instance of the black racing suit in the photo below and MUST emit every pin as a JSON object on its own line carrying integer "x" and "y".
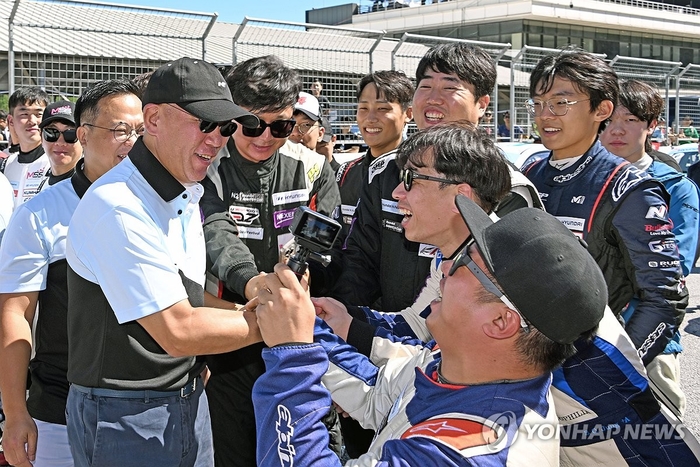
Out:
{"x": 247, "y": 209}
{"x": 622, "y": 213}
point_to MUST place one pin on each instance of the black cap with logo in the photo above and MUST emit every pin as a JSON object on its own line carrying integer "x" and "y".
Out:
{"x": 197, "y": 87}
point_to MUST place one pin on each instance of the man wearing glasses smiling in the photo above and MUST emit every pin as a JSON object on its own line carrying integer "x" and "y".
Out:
{"x": 619, "y": 210}
{"x": 250, "y": 194}
{"x": 308, "y": 130}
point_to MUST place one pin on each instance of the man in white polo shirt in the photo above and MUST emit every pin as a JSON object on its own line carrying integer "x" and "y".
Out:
{"x": 137, "y": 311}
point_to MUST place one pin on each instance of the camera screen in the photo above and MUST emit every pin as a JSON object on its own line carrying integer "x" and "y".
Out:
{"x": 318, "y": 231}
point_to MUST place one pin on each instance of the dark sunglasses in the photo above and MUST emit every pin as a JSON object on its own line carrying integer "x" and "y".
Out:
{"x": 278, "y": 128}
{"x": 407, "y": 176}
{"x": 464, "y": 259}
{"x": 205, "y": 126}
{"x": 51, "y": 135}
{"x": 226, "y": 128}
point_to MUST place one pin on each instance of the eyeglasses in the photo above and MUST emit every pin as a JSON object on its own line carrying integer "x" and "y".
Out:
{"x": 123, "y": 132}
{"x": 559, "y": 107}
{"x": 304, "y": 128}
{"x": 407, "y": 176}
{"x": 51, "y": 135}
{"x": 205, "y": 126}
{"x": 278, "y": 129}
{"x": 463, "y": 259}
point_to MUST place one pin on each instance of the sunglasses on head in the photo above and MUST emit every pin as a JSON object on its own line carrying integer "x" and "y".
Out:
{"x": 51, "y": 135}
{"x": 278, "y": 128}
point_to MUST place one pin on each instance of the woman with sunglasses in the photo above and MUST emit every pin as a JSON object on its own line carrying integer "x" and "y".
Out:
{"x": 60, "y": 141}
{"x": 250, "y": 194}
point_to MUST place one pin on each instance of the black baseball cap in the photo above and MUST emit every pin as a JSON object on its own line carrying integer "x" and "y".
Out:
{"x": 61, "y": 110}
{"x": 199, "y": 88}
{"x": 543, "y": 268}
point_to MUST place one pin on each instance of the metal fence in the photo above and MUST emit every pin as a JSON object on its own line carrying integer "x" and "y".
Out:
{"x": 65, "y": 45}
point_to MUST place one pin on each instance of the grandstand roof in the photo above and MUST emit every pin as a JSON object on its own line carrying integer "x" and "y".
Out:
{"x": 95, "y": 29}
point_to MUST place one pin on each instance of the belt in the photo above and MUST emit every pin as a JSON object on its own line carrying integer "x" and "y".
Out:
{"x": 186, "y": 391}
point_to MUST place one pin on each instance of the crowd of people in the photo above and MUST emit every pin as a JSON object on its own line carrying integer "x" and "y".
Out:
{"x": 471, "y": 313}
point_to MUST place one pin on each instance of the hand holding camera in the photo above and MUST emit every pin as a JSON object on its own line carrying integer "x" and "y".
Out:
{"x": 314, "y": 234}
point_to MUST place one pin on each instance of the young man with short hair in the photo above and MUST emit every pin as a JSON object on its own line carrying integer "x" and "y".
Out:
{"x": 627, "y": 135}
{"x": 251, "y": 192}
{"x": 383, "y": 111}
{"x": 26, "y": 168}
{"x": 454, "y": 82}
{"x": 315, "y": 89}
{"x": 620, "y": 211}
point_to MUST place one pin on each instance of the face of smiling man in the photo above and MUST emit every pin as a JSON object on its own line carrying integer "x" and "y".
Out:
{"x": 443, "y": 97}
{"x": 570, "y": 134}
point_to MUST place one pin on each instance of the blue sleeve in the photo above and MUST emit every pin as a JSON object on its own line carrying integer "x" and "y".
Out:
{"x": 653, "y": 265}
{"x": 290, "y": 402}
{"x": 683, "y": 211}
{"x": 394, "y": 322}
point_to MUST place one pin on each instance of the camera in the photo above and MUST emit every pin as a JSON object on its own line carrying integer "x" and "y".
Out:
{"x": 314, "y": 234}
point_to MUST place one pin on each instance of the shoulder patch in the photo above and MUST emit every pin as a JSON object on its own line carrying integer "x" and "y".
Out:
{"x": 458, "y": 432}
{"x": 626, "y": 180}
{"x": 381, "y": 163}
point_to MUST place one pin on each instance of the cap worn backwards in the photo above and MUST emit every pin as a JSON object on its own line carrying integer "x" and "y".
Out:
{"x": 61, "y": 110}
{"x": 545, "y": 271}
{"x": 197, "y": 87}
{"x": 308, "y": 104}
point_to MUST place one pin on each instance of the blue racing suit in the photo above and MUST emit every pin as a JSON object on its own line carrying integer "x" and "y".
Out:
{"x": 622, "y": 213}
{"x": 418, "y": 420}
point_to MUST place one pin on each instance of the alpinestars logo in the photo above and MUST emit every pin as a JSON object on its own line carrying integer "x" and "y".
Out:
{"x": 464, "y": 432}
{"x": 628, "y": 179}
{"x": 285, "y": 431}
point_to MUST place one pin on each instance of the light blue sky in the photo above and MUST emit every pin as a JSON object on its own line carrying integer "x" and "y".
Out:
{"x": 233, "y": 11}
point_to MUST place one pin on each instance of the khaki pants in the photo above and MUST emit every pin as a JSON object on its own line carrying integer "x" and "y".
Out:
{"x": 665, "y": 375}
